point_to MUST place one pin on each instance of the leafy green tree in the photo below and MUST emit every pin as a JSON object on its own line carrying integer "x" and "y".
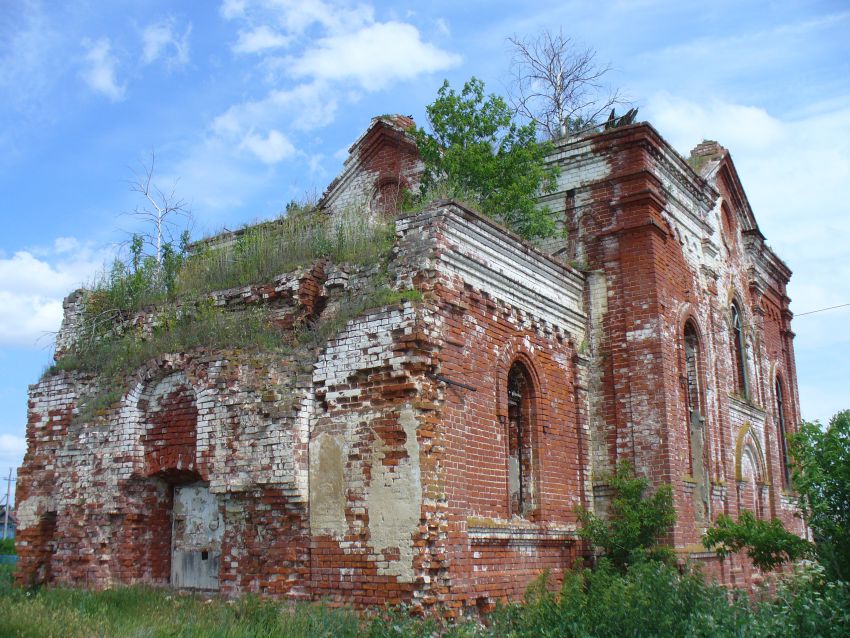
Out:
{"x": 768, "y": 543}
{"x": 636, "y": 524}
{"x": 821, "y": 473}
{"x": 476, "y": 151}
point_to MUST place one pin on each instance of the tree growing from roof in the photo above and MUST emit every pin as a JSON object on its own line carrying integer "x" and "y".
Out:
{"x": 559, "y": 86}
{"x": 821, "y": 475}
{"x": 156, "y": 252}
{"x": 160, "y": 211}
{"x": 475, "y": 151}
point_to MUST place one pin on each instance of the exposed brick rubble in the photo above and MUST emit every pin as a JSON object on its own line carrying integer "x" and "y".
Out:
{"x": 433, "y": 452}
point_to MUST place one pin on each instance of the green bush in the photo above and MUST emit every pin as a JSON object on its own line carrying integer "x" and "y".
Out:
{"x": 648, "y": 599}
{"x": 7, "y": 545}
{"x": 637, "y": 523}
{"x": 821, "y": 474}
{"x": 768, "y": 543}
{"x": 139, "y": 282}
{"x": 256, "y": 255}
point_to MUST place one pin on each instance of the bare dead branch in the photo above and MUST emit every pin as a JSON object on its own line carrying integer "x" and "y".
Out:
{"x": 557, "y": 85}
{"x": 159, "y": 210}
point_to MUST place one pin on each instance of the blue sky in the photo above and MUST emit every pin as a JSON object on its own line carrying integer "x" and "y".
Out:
{"x": 251, "y": 103}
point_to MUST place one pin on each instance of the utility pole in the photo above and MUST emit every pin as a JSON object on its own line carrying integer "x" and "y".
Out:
{"x": 9, "y": 482}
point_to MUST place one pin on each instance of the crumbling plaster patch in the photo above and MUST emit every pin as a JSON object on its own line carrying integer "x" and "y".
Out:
{"x": 394, "y": 498}
{"x": 327, "y": 485}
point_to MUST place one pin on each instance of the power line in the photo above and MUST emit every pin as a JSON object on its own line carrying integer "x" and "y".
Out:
{"x": 811, "y": 312}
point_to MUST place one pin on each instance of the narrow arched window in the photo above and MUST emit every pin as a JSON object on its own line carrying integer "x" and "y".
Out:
{"x": 739, "y": 351}
{"x": 520, "y": 436}
{"x": 692, "y": 370}
{"x": 782, "y": 433}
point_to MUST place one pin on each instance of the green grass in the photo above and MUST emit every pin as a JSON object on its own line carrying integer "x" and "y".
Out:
{"x": 649, "y": 600}
{"x": 112, "y": 358}
{"x": 137, "y": 612}
{"x": 264, "y": 251}
{"x": 254, "y": 255}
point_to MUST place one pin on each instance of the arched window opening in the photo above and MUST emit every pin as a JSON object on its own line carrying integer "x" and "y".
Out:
{"x": 696, "y": 422}
{"x": 739, "y": 351}
{"x": 782, "y": 432}
{"x": 692, "y": 370}
{"x": 520, "y": 448}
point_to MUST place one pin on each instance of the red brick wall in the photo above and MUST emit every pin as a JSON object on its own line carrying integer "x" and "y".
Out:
{"x": 481, "y": 339}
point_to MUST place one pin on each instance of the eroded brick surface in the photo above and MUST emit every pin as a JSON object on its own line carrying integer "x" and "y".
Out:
{"x": 397, "y": 462}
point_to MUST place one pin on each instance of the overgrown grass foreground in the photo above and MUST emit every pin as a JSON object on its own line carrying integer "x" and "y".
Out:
{"x": 650, "y": 599}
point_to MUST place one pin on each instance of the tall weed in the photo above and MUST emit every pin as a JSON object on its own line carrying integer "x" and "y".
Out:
{"x": 261, "y": 252}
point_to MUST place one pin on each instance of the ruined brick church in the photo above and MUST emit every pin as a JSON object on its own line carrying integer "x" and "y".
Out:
{"x": 434, "y": 450}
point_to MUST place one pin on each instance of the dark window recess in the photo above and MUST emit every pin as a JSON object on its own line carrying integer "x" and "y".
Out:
{"x": 205, "y": 555}
{"x": 739, "y": 351}
{"x": 692, "y": 370}
{"x": 783, "y": 437}
{"x": 520, "y": 474}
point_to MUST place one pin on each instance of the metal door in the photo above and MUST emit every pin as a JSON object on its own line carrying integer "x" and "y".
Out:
{"x": 197, "y": 528}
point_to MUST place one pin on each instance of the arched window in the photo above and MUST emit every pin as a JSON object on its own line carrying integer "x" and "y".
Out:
{"x": 520, "y": 437}
{"x": 692, "y": 370}
{"x": 739, "y": 351}
{"x": 782, "y": 433}
{"x": 696, "y": 422}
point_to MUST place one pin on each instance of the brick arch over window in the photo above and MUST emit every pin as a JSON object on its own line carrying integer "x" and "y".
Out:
{"x": 749, "y": 444}
{"x": 514, "y": 351}
{"x": 750, "y": 471}
{"x": 169, "y": 413}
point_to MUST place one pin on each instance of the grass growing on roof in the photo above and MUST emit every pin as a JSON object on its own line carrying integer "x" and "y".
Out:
{"x": 262, "y": 252}
{"x": 257, "y": 254}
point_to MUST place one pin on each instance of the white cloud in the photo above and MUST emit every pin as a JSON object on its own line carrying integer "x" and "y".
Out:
{"x": 161, "y": 40}
{"x": 269, "y": 149}
{"x": 443, "y": 27}
{"x": 29, "y": 61}
{"x": 305, "y": 107}
{"x": 218, "y": 175}
{"x": 334, "y": 52}
{"x": 685, "y": 123}
{"x": 65, "y": 244}
{"x": 296, "y": 17}
{"x": 32, "y": 289}
{"x": 373, "y": 56}
{"x": 259, "y": 39}
{"x": 100, "y": 73}
{"x": 337, "y": 41}
{"x": 231, "y": 9}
